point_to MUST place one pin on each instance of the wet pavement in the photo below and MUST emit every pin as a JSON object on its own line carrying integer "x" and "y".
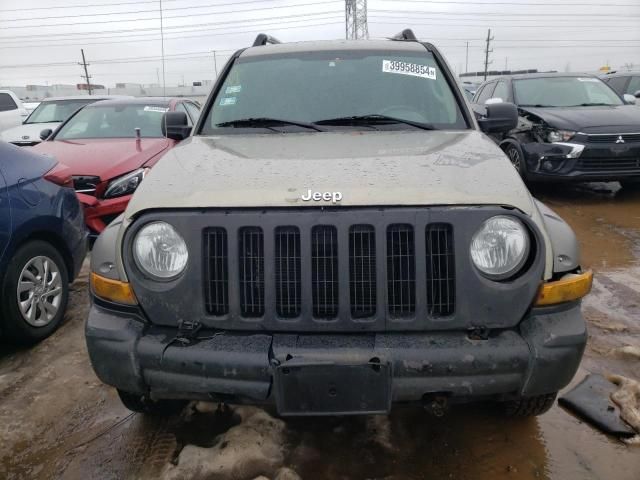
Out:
{"x": 58, "y": 421}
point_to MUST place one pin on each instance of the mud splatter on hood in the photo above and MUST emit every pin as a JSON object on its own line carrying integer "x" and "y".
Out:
{"x": 367, "y": 168}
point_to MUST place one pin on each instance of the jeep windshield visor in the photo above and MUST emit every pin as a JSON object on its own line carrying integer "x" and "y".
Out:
{"x": 563, "y": 92}
{"x": 331, "y": 87}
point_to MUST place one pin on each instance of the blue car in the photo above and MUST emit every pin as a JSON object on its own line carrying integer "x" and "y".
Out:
{"x": 43, "y": 241}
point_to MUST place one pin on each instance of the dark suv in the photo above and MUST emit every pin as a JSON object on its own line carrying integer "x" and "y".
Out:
{"x": 335, "y": 235}
{"x": 571, "y": 127}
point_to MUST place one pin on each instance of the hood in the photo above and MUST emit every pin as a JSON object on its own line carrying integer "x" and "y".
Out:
{"x": 381, "y": 168}
{"x": 602, "y": 119}
{"x": 29, "y": 130}
{"x": 106, "y": 158}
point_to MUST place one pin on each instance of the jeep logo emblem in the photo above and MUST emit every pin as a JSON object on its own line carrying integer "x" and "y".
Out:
{"x": 333, "y": 197}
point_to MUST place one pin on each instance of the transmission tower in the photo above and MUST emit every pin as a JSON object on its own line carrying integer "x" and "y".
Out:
{"x": 356, "y": 19}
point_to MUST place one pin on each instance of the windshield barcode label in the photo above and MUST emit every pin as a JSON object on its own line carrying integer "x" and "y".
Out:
{"x": 405, "y": 68}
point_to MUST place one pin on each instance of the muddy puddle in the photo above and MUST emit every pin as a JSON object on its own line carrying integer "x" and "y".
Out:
{"x": 58, "y": 421}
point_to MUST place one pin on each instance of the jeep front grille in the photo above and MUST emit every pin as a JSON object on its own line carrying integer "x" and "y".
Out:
{"x": 324, "y": 271}
{"x": 288, "y": 277}
{"x": 362, "y": 271}
{"x": 401, "y": 272}
{"x": 278, "y": 268}
{"x": 216, "y": 271}
{"x": 251, "y": 261}
{"x": 440, "y": 269}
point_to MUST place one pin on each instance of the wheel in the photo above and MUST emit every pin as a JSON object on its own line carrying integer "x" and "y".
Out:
{"x": 530, "y": 406}
{"x": 142, "y": 404}
{"x": 35, "y": 291}
{"x": 514, "y": 152}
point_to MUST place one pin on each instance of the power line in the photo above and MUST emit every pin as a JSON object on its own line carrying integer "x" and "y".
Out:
{"x": 502, "y": 14}
{"x": 142, "y": 19}
{"x": 190, "y": 7}
{"x": 128, "y": 31}
{"x": 527, "y": 4}
{"x": 155, "y": 36}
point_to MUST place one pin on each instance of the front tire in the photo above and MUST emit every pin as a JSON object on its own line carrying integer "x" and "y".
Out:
{"x": 35, "y": 292}
{"x": 530, "y": 406}
{"x": 143, "y": 404}
{"x": 516, "y": 157}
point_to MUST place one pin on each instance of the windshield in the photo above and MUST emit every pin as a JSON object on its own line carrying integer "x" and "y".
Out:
{"x": 315, "y": 86}
{"x": 55, "y": 110}
{"x": 563, "y": 92}
{"x": 114, "y": 121}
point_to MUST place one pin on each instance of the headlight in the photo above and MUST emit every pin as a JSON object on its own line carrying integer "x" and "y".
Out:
{"x": 160, "y": 251}
{"x": 560, "y": 135}
{"x": 126, "y": 184}
{"x": 500, "y": 247}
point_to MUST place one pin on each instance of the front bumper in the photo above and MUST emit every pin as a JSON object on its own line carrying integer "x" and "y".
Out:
{"x": 595, "y": 162}
{"x": 98, "y": 213}
{"x": 540, "y": 356}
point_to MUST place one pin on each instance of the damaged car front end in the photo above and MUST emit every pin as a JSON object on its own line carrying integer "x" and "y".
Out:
{"x": 570, "y": 128}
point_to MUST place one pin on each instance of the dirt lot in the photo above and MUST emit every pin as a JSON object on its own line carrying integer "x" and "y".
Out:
{"x": 58, "y": 421}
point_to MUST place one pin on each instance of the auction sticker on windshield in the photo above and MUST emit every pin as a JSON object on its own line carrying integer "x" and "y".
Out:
{"x": 406, "y": 68}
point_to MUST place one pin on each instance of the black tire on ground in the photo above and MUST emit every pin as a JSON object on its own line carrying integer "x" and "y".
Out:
{"x": 14, "y": 326}
{"x": 516, "y": 157}
{"x": 630, "y": 184}
{"x": 157, "y": 408}
{"x": 530, "y": 406}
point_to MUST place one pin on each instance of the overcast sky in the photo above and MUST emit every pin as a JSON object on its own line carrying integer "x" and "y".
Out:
{"x": 40, "y": 40}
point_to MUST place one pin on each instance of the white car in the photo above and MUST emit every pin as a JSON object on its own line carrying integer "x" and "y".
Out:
{"x": 12, "y": 112}
{"x": 50, "y": 113}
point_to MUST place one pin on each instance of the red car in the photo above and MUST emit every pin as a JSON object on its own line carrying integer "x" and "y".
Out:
{"x": 107, "y": 148}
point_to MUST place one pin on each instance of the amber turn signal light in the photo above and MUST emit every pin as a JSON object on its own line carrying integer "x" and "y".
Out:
{"x": 571, "y": 287}
{"x": 112, "y": 290}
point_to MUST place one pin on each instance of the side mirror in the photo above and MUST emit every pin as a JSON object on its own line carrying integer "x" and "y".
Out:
{"x": 637, "y": 94}
{"x": 493, "y": 101}
{"x": 175, "y": 126}
{"x": 629, "y": 99}
{"x": 46, "y": 133}
{"x": 499, "y": 118}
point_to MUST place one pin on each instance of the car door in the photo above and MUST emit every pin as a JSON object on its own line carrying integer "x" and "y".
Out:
{"x": 5, "y": 216}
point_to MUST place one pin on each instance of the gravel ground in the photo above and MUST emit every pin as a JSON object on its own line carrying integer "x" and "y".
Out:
{"x": 58, "y": 421}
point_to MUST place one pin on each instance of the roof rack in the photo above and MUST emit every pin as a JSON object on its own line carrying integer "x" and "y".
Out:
{"x": 263, "y": 39}
{"x": 405, "y": 35}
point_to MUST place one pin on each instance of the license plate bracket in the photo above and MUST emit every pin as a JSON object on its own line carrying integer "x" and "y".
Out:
{"x": 332, "y": 389}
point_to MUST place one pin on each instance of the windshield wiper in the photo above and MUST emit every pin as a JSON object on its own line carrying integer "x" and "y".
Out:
{"x": 266, "y": 122}
{"x": 537, "y": 105}
{"x": 592, "y": 105}
{"x": 372, "y": 119}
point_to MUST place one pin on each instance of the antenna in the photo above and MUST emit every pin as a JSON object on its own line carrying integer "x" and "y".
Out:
{"x": 356, "y": 19}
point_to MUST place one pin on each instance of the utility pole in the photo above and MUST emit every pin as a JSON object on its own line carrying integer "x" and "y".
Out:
{"x": 86, "y": 76}
{"x": 466, "y": 62}
{"x": 355, "y": 13}
{"x": 487, "y": 51}
{"x": 506, "y": 60}
{"x": 164, "y": 81}
{"x": 215, "y": 64}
